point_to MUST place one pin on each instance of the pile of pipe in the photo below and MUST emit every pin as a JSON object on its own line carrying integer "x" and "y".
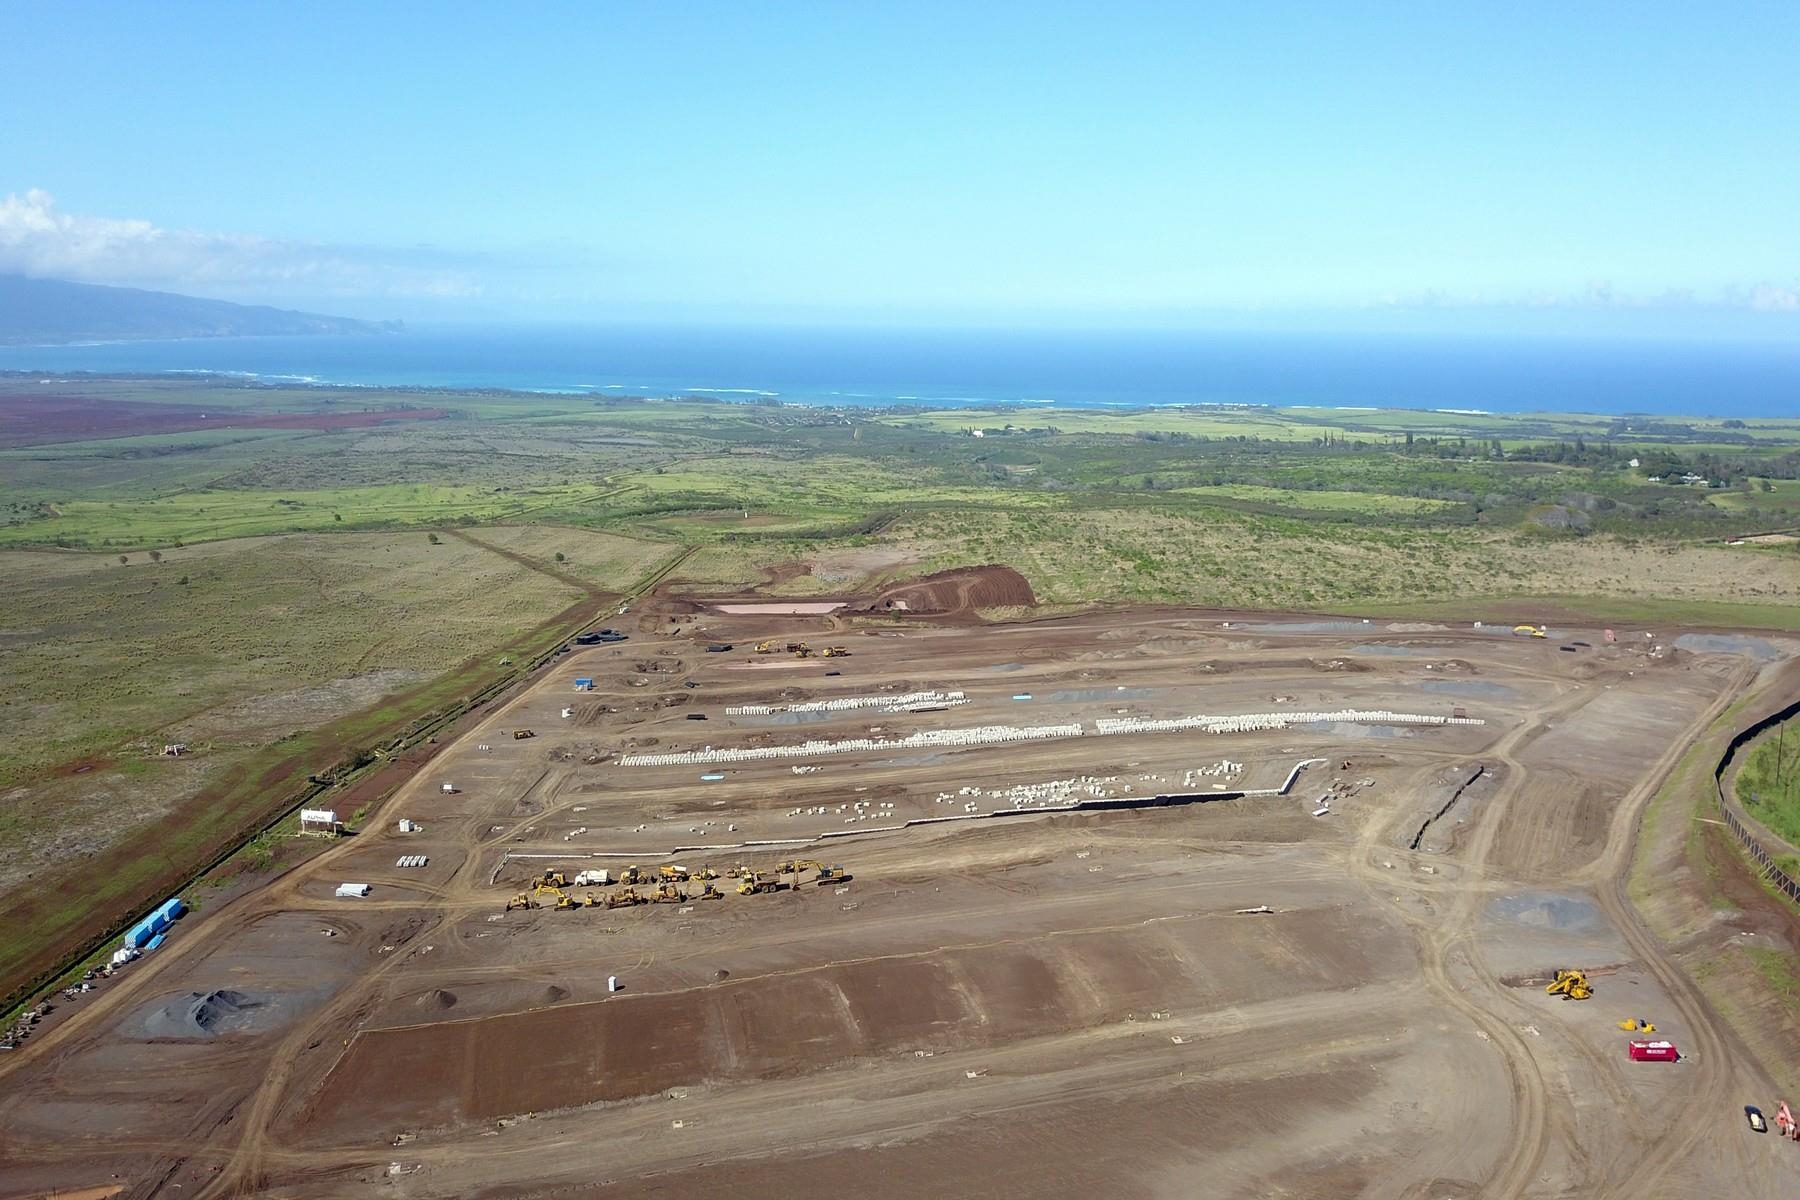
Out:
{"x": 983, "y": 735}
{"x": 1259, "y": 722}
{"x": 891, "y": 704}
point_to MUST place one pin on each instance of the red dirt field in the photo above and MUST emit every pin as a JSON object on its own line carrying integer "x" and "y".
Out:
{"x": 28, "y": 420}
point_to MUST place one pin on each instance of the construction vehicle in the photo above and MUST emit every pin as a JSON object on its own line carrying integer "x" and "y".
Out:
{"x": 624, "y": 898}
{"x": 555, "y": 879}
{"x": 632, "y": 875}
{"x": 837, "y": 652}
{"x": 1785, "y": 1124}
{"x": 1570, "y": 985}
{"x": 754, "y": 885}
{"x": 1637, "y": 1025}
{"x": 799, "y": 649}
{"x": 671, "y": 871}
{"x": 522, "y": 900}
{"x": 520, "y": 735}
{"x": 709, "y": 892}
{"x": 704, "y": 873}
{"x": 668, "y": 893}
{"x": 765, "y": 647}
{"x": 827, "y": 874}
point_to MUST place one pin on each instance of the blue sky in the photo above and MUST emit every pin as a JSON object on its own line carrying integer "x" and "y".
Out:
{"x": 1031, "y": 163}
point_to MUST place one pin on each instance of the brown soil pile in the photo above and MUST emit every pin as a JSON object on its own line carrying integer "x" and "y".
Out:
{"x": 959, "y": 591}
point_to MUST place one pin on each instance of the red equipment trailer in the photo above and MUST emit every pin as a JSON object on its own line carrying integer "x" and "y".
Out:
{"x": 1641, "y": 1051}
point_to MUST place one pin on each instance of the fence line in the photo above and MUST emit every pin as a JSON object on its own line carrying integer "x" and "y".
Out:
{"x": 1774, "y": 874}
{"x": 1753, "y": 846}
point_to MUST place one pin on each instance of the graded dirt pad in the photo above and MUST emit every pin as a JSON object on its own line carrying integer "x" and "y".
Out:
{"x": 1266, "y": 994}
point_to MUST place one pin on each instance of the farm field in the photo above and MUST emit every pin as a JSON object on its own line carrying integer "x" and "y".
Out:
{"x": 1316, "y": 968}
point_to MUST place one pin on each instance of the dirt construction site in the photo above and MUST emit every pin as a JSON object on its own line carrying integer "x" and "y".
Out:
{"x": 1143, "y": 904}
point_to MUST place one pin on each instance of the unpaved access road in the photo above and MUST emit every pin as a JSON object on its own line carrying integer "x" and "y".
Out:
{"x": 1036, "y": 1003}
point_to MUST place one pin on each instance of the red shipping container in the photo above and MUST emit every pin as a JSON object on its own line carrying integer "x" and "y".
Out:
{"x": 1652, "y": 1051}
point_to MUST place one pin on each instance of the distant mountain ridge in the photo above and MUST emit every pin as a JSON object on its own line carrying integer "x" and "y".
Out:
{"x": 47, "y": 311}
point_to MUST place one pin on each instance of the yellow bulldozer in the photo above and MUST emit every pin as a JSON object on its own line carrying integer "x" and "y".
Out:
{"x": 668, "y": 893}
{"x": 709, "y": 892}
{"x": 837, "y": 652}
{"x": 624, "y": 898}
{"x": 1570, "y": 985}
{"x": 522, "y": 900}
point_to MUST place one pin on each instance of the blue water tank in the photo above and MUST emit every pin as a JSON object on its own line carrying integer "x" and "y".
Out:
{"x": 155, "y": 942}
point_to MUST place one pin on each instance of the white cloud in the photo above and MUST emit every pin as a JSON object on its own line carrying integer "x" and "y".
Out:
{"x": 1766, "y": 297}
{"x": 39, "y": 239}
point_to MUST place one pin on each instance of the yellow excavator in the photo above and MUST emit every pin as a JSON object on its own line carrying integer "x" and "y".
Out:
{"x": 827, "y": 874}
{"x": 1570, "y": 985}
{"x": 765, "y": 647}
{"x": 563, "y": 899}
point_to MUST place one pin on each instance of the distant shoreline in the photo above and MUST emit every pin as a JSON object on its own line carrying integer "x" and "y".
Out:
{"x": 1034, "y": 372}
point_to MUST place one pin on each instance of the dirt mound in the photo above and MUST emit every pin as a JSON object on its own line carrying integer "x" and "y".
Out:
{"x": 437, "y": 998}
{"x": 202, "y": 1015}
{"x": 959, "y": 591}
{"x": 553, "y": 995}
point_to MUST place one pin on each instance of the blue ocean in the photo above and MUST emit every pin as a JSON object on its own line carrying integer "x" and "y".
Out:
{"x": 987, "y": 367}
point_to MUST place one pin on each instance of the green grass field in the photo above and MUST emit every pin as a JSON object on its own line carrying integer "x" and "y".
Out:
{"x": 1768, "y": 784}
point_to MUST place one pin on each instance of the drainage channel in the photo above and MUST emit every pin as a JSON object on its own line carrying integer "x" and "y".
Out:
{"x": 1480, "y": 770}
